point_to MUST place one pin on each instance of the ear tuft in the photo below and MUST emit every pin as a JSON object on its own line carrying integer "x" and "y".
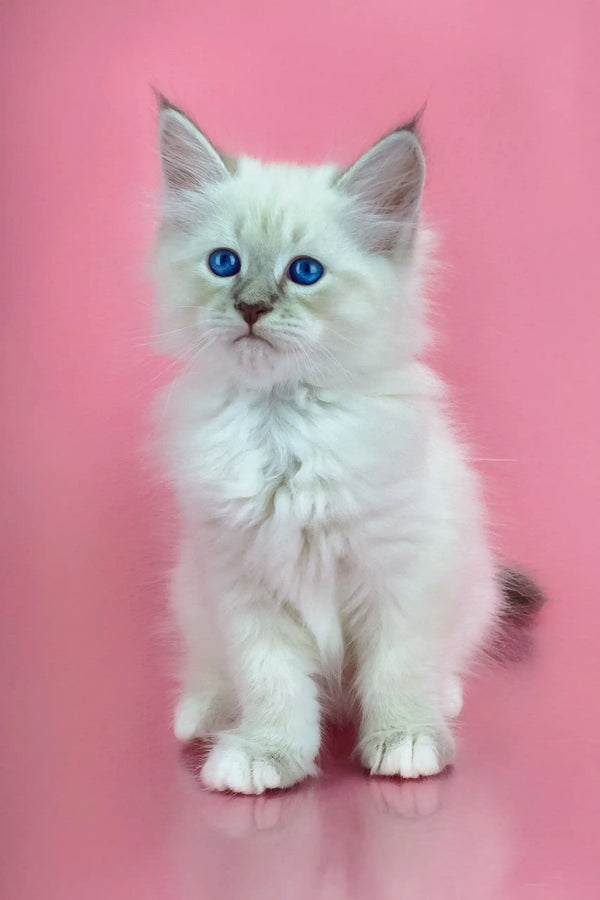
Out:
{"x": 189, "y": 161}
{"x": 387, "y": 185}
{"x": 413, "y": 124}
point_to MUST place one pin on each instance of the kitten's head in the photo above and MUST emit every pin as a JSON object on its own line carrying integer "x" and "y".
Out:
{"x": 284, "y": 273}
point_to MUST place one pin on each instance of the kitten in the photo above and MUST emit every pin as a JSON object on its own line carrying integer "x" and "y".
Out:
{"x": 332, "y": 527}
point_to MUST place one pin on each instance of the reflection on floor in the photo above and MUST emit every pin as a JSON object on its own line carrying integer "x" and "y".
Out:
{"x": 517, "y": 818}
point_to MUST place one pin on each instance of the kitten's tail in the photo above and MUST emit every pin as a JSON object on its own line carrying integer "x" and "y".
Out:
{"x": 523, "y": 598}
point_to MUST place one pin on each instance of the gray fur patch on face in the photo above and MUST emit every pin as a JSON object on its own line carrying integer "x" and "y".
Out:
{"x": 258, "y": 289}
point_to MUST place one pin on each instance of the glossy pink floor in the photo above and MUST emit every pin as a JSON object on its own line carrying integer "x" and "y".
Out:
{"x": 97, "y": 799}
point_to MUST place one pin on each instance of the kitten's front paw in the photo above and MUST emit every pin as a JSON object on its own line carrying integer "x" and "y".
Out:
{"x": 409, "y": 754}
{"x": 248, "y": 768}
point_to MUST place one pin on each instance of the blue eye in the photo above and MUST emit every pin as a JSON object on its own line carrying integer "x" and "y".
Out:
{"x": 305, "y": 270}
{"x": 224, "y": 262}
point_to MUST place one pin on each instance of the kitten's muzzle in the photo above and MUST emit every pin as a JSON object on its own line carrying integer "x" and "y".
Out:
{"x": 251, "y": 312}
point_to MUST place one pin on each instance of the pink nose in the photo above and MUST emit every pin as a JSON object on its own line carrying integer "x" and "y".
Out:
{"x": 251, "y": 312}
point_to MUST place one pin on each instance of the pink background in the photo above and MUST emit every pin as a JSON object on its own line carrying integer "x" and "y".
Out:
{"x": 97, "y": 801}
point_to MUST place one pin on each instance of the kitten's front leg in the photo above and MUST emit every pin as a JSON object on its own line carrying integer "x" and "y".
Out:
{"x": 276, "y": 741}
{"x": 403, "y": 729}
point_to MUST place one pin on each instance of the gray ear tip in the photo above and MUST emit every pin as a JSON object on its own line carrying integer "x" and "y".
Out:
{"x": 413, "y": 125}
{"x": 168, "y": 110}
{"x": 162, "y": 102}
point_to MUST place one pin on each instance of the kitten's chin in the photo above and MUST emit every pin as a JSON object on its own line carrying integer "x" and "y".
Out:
{"x": 254, "y": 348}
{"x": 259, "y": 359}
{"x": 254, "y": 342}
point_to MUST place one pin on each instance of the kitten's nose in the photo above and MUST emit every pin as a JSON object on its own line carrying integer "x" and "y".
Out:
{"x": 251, "y": 312}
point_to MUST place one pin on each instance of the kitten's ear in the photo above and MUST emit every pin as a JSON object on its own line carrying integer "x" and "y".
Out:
{"x": 189, "y": 160}
{"x": 387, "y": 183}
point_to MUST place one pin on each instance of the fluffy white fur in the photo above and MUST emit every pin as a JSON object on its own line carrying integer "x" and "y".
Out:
{"x": 332, "y": 529}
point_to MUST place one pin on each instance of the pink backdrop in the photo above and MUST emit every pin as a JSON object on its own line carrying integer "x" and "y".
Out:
{"x": 98, "y": 801}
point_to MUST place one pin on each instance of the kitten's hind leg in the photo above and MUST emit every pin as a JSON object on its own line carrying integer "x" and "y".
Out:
{"x": 207, "y": 697}
{"x": 202, "y": 710}
{"x": 452, "y": 699}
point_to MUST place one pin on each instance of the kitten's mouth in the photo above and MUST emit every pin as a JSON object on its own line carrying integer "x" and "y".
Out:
{"x": 251, "y": 336}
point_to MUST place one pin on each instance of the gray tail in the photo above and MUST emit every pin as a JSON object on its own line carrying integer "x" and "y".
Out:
{"x": 523, "y": 598}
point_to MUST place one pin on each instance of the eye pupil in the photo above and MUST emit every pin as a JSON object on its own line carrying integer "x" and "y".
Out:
{"x": 224, "y": 262}
{"x": 305, "y": 270}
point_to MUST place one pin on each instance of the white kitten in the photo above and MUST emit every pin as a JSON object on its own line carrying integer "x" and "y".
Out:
{"x": 331, "y": 522}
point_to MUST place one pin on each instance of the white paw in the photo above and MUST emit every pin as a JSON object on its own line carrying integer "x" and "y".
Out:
{"x": 250, "y": 769}
{"x": 410, "y": 755}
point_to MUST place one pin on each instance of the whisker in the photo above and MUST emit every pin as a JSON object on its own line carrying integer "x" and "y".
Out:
{"x": 160, "y": 334}
{"x": 335, "y": 360}
{"x": 342, "y": 337}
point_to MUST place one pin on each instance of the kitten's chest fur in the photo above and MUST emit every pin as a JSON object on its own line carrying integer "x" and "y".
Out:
{"x": 285, "y": 460}
{"x": 295, "y": 490}
{"x": 295, "y": 464}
